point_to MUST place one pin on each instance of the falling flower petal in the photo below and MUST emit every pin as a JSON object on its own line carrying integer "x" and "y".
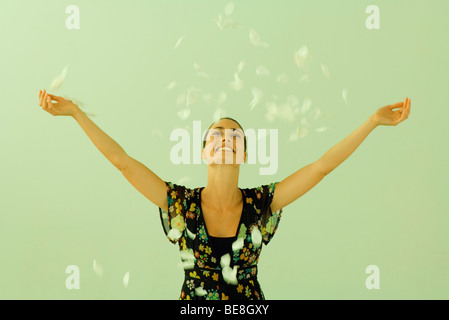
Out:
{"x": 262, "y": 71}
{"x": 57, "y": 82}
{"x": 287, "y": 113}
{"x": 240, "y": 66}
{"x": 229, "y": 8}
{"x": 314, "y": 114}
{"x": 237, "y": 244}
{"x": 306, "y": 104}
{"x": 237, "y": 84}
{"x": 302, "y": 56}
{"x": 187, "y": 265}
{"x": 230, "y": 275}
{"x": 225, "y": 260}
{"x": 305, "y": 79}
{"x": 181, "y": 99}
{"x": 219, "y": 21}
{"x": 179, "y": 41}
{"x": 219, "y": 113}
{"x": 98, "y": 268}
{"x": 221, "y": 98}
{"x": 256, "y": 237}
{"x": 321, "y": 129}
{"x": 325, "y": 70}
{"x": 200, "y": 292}
{"x": 190, "y": 234}
{"x": 126, "y": 280}
{"x": 304, "y": 122}
{"x": 171, "y": 86}
{"x": 256, "y": 40}
{"x": 257, "y": 96}
{"x": 344, "y": 94}
{"x": 302, "y": 132}
{"x": 282, "y": 78}
{"x": 184, "y": 180}
{"x": 186, "y": 255}
{"x": 184, "y": 113}
{"x": 174, "y": 234}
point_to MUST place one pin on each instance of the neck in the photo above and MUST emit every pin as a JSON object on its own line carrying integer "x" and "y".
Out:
{"x": 222, "y": 184}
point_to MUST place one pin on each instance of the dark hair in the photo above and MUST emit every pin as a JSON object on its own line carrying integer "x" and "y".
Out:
{"x": 205, "y": 135}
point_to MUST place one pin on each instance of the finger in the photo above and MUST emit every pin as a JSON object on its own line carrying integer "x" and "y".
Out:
{"x": 50, "y": 105}
{"x": 44, "y": 101}
{"x": 396, "y": 105}
{"x": 41, "y": 97}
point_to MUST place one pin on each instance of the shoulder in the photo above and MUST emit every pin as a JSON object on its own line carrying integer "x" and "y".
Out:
{"x": 260, "y": 193}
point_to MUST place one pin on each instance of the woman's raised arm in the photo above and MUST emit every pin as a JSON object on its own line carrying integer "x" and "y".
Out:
{"x": 142, "y": 178}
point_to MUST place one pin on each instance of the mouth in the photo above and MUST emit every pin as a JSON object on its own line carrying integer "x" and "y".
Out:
{"x": 224, "y": 149}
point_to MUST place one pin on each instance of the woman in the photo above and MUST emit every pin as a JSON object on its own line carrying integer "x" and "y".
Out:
{"x": 220, "y": 228}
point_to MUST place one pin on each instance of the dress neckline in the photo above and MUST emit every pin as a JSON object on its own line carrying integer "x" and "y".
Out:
{"x": 204, "y": 221}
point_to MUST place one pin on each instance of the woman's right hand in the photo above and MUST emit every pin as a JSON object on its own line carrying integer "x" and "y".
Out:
{"x": 62, "y": 107}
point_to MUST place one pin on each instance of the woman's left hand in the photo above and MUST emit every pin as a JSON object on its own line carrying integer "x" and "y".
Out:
{"x": 387, "y": 117}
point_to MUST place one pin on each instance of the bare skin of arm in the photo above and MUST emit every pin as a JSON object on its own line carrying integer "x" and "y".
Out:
{"x": 301, "y": 181}
{"x": 142, "y": 178}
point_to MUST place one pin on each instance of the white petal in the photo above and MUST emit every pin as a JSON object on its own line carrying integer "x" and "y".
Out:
{"x": 184, "y": 113}
{"x": 302, "y": 56}
{"x": 185, "y": 179}
{"x": 126, "y": 279}
{"x": 257, "y": 96}
{"x": 237, "y": 84}
{"x": 219, "y": 113}
{"x": 307, "y": 103}
{"x": 225, "y": 260}
{"x": 287, "y": 113}
{"x": 179, "y": 41}
{"x": 190, "y": 234}
{"x": 221, "y": 98}
{"x": 302, "y": 132}
{"x": 229, "y": 8}
{"x": 321, "y": 129}
{"x": 174, "y": 234}
{"x": 344, "y": 94}
{"x": 256, "y": 237}
{"x": 254, "y": 37}
{"x": 187, "y": 255}
{"x": 305, "y": 79}
{"x": 230, "y": 275}
{"x": 187, "y": 265}
{"x": 314, "y": 114}
{"x": 240, "y": 66}
{"x": 282, "y": 78}
{"x": 200, "y": 291}
{"x": 262, "y": 71}
{"x": 237, "y": 244}
{"x": 325, "y": 71}
{"x": 304, "y": 123}
{"x": 171, "y": 86}
{"x": 57, "y": 82}
{"x": 98, "y": 268}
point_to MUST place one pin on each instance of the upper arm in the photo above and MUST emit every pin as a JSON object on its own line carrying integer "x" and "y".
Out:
{"x": 145, "y": 181}
{"x": 296, "y": 185}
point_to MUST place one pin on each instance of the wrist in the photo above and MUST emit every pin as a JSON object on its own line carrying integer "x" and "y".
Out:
{"x": 373, "y": 120}
{"x": 76, "y": 112}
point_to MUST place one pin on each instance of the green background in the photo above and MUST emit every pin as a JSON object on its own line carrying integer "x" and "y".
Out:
{"x": 63, "y": 203}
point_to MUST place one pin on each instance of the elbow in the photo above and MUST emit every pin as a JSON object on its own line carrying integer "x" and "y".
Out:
{"x": 323, "y": 169}
{"x": 119, "y": 163}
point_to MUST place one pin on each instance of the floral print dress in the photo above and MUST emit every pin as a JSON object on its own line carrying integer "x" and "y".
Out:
{"x": 230, "y": 276}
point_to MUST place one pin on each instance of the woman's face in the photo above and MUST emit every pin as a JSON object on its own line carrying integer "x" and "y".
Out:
{"x": 225, "y": 144}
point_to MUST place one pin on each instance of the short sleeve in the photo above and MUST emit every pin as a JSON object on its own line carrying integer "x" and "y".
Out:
{"x": 173, "y": 221}
{"x": 268, "y": 220}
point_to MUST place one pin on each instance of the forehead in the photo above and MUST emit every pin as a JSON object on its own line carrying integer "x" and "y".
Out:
{"x": 225, "y": 124}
